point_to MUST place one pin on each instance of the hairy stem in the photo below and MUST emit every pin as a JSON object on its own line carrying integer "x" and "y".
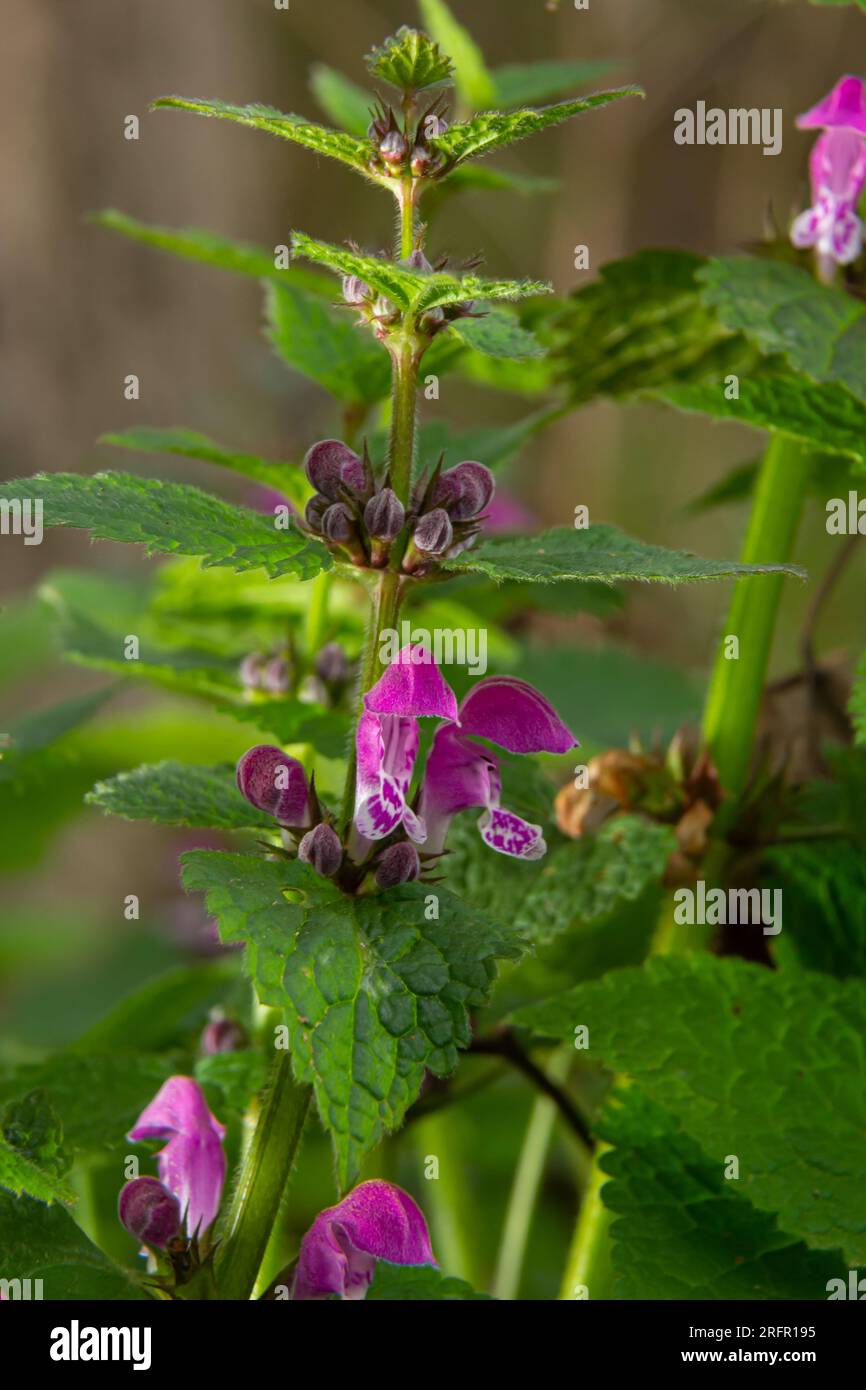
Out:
{"x": 734, "y": 695}
{"x": 383, "y": 615}
{"x": 273, "y": 1133}
{"x": 317, "y": 613}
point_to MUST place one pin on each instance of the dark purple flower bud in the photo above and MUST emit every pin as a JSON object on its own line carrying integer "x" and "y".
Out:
{"x": 221, "y": 1035}
{"x": 338, "y": 523}
{"x": 276, "y": 677}
{"x": 272, "y": 781}
{"x": 321, "y": 849}
{"x": 417, "y": 261}
{"x": 330, "y": 465}
{"x": 332, "y": 664}
{"x": 397, "y": 864}
{"x": 384, "y": 515}
{"x": 464, "y": 490}
{"x": 315, "y": 510}
{"x": 149, "y": 1212}
{"x": 434, "y": 532}
{"x": 393, "y": 147}
{"x": 355, "y": 291}
{"x": 250, "y": 671}
{"x": 420, "y": 161}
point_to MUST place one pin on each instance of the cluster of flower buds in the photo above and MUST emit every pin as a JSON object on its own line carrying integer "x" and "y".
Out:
{"x": 277, "y": 784}
{"x": 406, "y": 152}
{"x": 268, "y": 673}
{"x": 383, "y": 316}
{"x": 356, "y": 517}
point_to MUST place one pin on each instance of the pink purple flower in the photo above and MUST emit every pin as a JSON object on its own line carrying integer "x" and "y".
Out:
{"x": 376, "y": 1221}
{"x": 837, "y": 170}
{"x": 844, "y": 108}
{"x": 192, "y": 1166}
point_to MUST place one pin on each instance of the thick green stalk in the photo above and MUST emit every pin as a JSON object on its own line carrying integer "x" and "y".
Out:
{"x": 274, "y": 1131}
{"x": 404, "y": 363}
{"x": 588, "y": 1266}
{"x": 317, "y": 613}
{"x": 736, "y": 686}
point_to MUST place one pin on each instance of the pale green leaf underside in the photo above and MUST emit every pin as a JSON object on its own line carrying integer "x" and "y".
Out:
{"x": 499, "y": 334}
{"x": 412, "y": 291}
{"x": 374, "y": 993}
{"x": 326, "y": 345}
{"x": 682, "y": 1230}
{"x": 172, "y": 793}
{"x": 766, "y": 1065}
{"x": 336, "y": 144}
{"x": 285, "y": 477}
{"x": 601, "y": 553}
{"x": 170, "y": 519}
{"x": 492, "y": 129}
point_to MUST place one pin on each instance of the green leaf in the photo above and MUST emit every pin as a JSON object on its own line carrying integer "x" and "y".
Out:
{"x": 412, "y": 291}
{"x": 823, "y": 889}
{"x": 160, "y": 1011}
{"x": 31, "y": 1150}
{"x": 197, "y": 244}
{"x": 479, "y": 176}
{"x": 737, "y": 485}
{"x": 336, "y": 144}
{"x": 417, "y": 1283}
{"x": 33, "y": 733}
{"x": 170, "y": 518}
{"x": 474, "y": 83}
{"x": 38, "y": 1242}
{"x": 826, "y": 416}
{"x": 284, "y": 477}
{"x": 410, "y": 61}
{"x": 583, "y": 880}
{"x": 493, "y": 445}
{"x": 374, "y": 993}
{"x": 519, "y": 84}
{"x": 601, "y": 553}
{"x": 492, "y": 129}
{"x": 343, "y": 101}
{"x": 499, "y": 334}
{"x": 857, "y": 706}
{"x": 237, "y": 1075}
{"x": 820, "y": 329}
{"x": 765, "y": 1065}
{"x": 682, "y": 1230}
{"x": 179, "y": 794}
{"x": 325, "y": 345}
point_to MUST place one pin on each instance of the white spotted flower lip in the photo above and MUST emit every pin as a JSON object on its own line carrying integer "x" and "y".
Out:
{"x": 837, "y": 168}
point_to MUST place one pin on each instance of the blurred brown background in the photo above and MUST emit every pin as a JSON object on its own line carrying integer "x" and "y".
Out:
{"x": 81, "y": 308}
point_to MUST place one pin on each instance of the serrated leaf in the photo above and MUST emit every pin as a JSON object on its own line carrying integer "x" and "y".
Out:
{"x": 412, "y": 291}
{"x": 417, "y": 1283}
{"x": 601, "y": 553}
{"x": 473, "y": 81}
{"x": 325, "y": 345}
{"x": 286, "y": 478}
{"x": 343, "y": 101}
{"x": 410, "y": 61}
{"x": 336, "y": 144}
{"x": 499, "y": 334}
{"x": 765, "y": 1065}
{"x": 823, "y": 889}
{"x": 374, "y": 993}
{"x": 170, "y": 518}
{"x": 171, "y": 793}
{"x": 23, "y": 1171}
{"x": 682, "y": 1230}
{"x": 519, "y": 84}
{"x": 198, "y": 244}
{"x": 39, "y": 1242}
{"x": 97, "y": 1096}
{"x": 492, "y": 129}
{"x": 825, "y": 416}
{"x": 820, "y": 329}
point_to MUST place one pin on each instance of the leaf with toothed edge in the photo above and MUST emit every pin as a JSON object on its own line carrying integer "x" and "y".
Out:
{"x": 286, "y": 478}
{"x": 172, "y": 793}
{"x": 410, "y": 61}
{"x": 374, "y": 990}
{"x": 492, "y": 129}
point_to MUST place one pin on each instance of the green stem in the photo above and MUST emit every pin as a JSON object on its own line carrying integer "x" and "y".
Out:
{"x": 383, "y": 615}
{"x": 736, "y": 686}
{"x": 317, "y": 613}
{"x": 406, "y": 201}
{"x": 404, "y": 361}
{"x": 274, "y": 1131}
{"x": 588, "y": 1266}
{"x": 452, "y": 1212}
{"x": 527, "y": 1182}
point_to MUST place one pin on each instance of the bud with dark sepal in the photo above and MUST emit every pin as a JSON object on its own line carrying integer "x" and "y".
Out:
{"x": 384, "y": 518}
{"x": 149, "y": 1212}
{"x": 433, "y": 532}
{"x": 397, "y": 864}
{"x": 221, "y": 1035}
{"x": 338, "y": 524}
{"x": 464, "y": 490}
{"x": 333, "y": 469}
{"x": 315, "y": 510}
{"x": 393, "y": 149}
{"x": 321, "y": 849}
{"x": 273, "y": 782}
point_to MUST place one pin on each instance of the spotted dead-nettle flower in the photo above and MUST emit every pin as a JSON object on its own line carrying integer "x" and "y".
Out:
{"x": 837, "y": 173}
{"x": 192, "y": 1166}
{"x": 376, "y": 1221}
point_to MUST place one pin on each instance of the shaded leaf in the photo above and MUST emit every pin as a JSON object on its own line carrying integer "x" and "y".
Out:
{"x": 499, "y": 334}
{"x": 38, "y": 1242}
{"x": 472, "y": 79}
{"x": 523, "y": 83}
{"x": 171, "y": 793}
{"x": 417, "y": 1283}
{"x": 284, "y": 477}
{"x": 343, "y": 101}
{"x": 325, "y": 345}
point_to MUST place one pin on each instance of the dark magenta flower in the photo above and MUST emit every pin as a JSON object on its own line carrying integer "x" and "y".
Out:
{"x": 376, "y": 1221}
{"x": 273, "y": 782}
{"x": 332, "y": 466}
{"x": 149, "y": 1212}
{"x": 844, "y": 108}
{"x": 386, "y": 745}
{"x": 461, "y": 774}
{"x": 192, "y": 1166}
{"x": 837, "y": 170}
